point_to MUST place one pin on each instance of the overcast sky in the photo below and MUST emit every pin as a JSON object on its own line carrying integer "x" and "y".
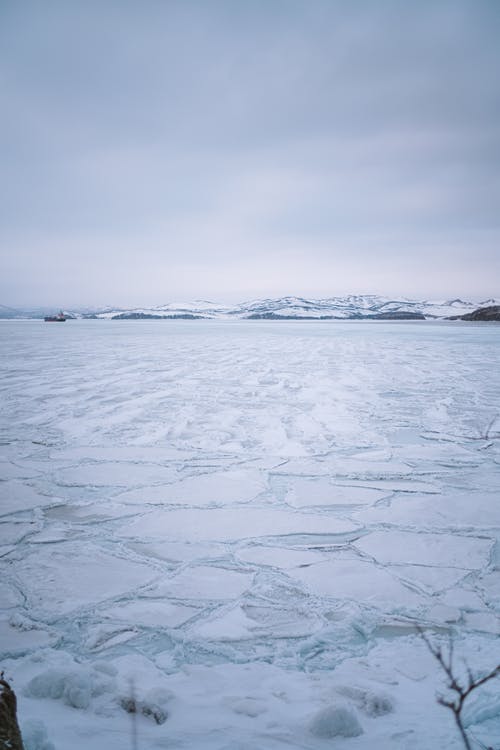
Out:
{"x": 161, "y": 150}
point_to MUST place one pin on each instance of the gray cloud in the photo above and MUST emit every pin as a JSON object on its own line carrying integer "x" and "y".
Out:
{"x": 224, "y": 149}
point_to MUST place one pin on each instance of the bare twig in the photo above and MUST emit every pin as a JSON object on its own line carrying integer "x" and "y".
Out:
{"x": 462, "y": 691}
{"x": 133, "y": 715}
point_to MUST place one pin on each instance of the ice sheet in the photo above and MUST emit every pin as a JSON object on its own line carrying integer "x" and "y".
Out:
{"x": 66, "y": 577}
{"x": 455, "y": 509}
{"x": 202, "y": 582}
{"x": 16, "y": 641}
{"x": 151, "y": 614}
{"x": 446, "y": 550}
{"x": 17, "y": 496}
{"x": 114, "y": 473}
{"x": 358, "y": 581}
{"x": 243, "y": 523}
{"x": 304, "y": 493}
{"x": 218, "y": 488}
{"x": 232, "y": 524}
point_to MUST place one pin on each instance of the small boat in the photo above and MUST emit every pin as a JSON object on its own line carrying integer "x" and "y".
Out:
{"x": 59, "y": 318}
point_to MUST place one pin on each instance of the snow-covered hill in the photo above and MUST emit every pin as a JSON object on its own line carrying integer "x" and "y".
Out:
{"x": 351, "y": 306}
{"x": 348, "y": 307}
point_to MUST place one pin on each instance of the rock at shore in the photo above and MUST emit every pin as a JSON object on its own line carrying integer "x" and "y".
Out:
{"x": 483, "y": 313}
{"x": 10, "y": 736}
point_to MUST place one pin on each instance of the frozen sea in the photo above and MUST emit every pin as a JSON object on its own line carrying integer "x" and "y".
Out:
{"x": 235, "y": 527}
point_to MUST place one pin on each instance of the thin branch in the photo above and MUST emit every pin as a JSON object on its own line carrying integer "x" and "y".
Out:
{"x": 462, "y": 691}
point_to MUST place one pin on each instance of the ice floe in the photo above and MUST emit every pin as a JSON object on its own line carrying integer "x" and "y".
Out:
{"x": 447, "y": 550}
{"x": 75, "y": 575}
{"x": 221, "y": 524}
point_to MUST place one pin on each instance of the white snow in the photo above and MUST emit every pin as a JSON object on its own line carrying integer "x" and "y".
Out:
{"x": 222, "y": 534}
{"x": 35, "y": 736}
{"x": 335, "y": 721}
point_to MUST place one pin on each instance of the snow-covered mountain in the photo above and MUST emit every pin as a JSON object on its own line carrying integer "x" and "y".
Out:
{"x": 348, "y": 307}
{"x": 352, "y": 306}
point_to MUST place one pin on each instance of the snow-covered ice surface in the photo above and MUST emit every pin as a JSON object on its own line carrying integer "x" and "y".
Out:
{"x": 235, "y": 527}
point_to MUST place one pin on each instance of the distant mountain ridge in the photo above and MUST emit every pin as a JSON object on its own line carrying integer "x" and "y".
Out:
{"x": 350, "y": 307}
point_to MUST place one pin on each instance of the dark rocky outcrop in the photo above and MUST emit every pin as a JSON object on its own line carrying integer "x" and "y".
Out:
{"x": 10, "y": 735}
{"x": 483, "y": 313}
{"x": 149, "y": 316}
{"x": 279, "y": 316}
{"x": 397, "y": 315}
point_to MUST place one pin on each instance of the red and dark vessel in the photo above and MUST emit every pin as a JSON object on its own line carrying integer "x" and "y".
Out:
{"x": 59, "y": 318}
